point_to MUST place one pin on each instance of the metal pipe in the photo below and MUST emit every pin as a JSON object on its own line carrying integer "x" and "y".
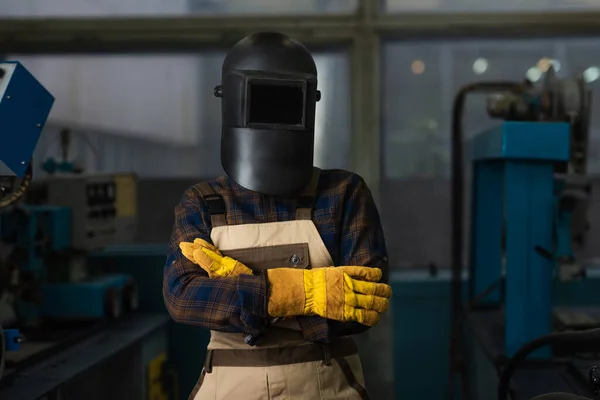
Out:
{"x": 190, "y": 33}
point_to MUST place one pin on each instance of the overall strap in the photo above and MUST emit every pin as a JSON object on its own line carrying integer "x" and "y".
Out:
{"x": 214, "y": 202}
{"x": 306, "y": 200}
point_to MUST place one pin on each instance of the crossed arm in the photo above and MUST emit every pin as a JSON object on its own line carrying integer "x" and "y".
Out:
{"x": 240, "y": 303}
{"x": 235, "y": 304}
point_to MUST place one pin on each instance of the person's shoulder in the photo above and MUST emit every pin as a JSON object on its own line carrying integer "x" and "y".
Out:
{"x": 221, "y": 185}
{"x": 340, "y": 180}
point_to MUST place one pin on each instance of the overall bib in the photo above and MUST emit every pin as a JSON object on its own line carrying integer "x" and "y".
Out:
{"x": 283, "y": 365}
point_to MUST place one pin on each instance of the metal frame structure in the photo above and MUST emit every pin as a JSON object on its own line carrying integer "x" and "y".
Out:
{"x": 362, "y": 31}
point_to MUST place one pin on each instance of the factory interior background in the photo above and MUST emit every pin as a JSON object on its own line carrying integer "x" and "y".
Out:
{"x": 133, "y": 82}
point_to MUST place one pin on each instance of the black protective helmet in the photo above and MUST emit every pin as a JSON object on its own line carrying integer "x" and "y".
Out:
{"x": 269, "y": 94}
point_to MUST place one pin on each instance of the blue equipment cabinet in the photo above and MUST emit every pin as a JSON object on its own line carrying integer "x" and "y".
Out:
{"x": 513, "y": 195}
{"x": 520, "y": 231}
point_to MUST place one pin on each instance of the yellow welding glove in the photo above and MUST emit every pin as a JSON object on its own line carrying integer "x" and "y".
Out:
{"x": 339, "y": 293}
{"x": 210, "y": 259}
{"x": 218, "y": 266}
{"x": 187, "y": 248}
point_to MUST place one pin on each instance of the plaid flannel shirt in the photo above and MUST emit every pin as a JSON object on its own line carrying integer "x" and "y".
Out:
{"x": 345, "y": 216}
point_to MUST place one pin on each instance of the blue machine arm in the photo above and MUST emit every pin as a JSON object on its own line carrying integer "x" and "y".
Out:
{"x": 24, "y": 108}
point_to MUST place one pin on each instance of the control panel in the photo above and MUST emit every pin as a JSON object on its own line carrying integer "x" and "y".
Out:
{"x": 92, "y": 200}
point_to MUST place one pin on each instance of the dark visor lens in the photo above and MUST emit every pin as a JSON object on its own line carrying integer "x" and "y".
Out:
{"x": 275, "y": 103}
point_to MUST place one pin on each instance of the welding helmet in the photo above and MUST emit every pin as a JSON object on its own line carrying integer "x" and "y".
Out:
{"x": 268, "y": 94}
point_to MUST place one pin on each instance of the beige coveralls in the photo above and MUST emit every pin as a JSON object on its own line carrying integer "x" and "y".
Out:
{"x": 283, "y": 365}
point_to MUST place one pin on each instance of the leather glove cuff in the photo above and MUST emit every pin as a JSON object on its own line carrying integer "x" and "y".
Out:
{"x": 286, "y": 296}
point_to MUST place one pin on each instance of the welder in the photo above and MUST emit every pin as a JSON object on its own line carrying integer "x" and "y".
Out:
{"x": 282, "y": 261}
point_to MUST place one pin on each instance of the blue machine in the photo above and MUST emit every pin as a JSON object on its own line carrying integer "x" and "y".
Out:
{"x": 24, "y": 108}
{"x": 528, "y": 215}
{"x": 522, "y": 231}
{"x": 35, "y": 231}
{"x": 515, "y": 194}
{"x": 42, "y": 234}
{"x": 108, "y": 295}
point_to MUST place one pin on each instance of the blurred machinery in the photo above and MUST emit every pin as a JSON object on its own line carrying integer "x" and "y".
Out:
{"x": 67, "y": 305}
{"x": 68, "y": 309}
{"x": 24, "y": 108}
{"x": 74, "y": 213}
{"x": 530, "y": 196}
{"x": 65, "y": 164}
{"x": 50, "y": 244}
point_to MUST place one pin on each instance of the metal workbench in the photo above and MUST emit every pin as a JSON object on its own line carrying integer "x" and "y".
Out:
{"x": 109, "y": 364}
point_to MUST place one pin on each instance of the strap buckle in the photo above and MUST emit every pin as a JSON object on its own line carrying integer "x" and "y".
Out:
{"x": 215, "y": 204}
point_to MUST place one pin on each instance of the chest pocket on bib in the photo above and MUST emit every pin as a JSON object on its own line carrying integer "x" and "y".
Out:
{"x": 281, "y": 256}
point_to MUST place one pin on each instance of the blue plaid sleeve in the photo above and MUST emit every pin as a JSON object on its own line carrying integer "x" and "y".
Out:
{"x": 236, "y": 304}
{"x": 362, "y": 242}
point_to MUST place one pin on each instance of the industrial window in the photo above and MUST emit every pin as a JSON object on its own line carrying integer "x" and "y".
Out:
{"x": 135, "y": 110}
{"x": 421, "y": 79}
